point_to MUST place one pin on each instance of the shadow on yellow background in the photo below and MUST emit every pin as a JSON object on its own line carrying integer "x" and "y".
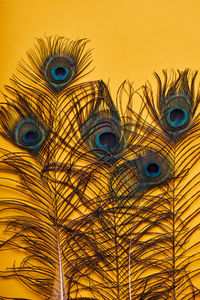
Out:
{"x": 131, "y": 39}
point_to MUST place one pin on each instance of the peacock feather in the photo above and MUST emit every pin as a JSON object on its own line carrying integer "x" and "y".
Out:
{"x": 106, "y": 191}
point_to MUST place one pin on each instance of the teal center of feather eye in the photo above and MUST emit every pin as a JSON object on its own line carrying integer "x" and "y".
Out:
{"x": 30, "y": 137}
{"x": 152, "y": 170}
{"x": 107, "y": 141}
{"x": 177, "y": 117}
{"x": 59, "y": 73}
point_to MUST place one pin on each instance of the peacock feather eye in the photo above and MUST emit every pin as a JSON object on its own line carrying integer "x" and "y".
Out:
{"x": 176, "y": 115}
{"x": 133, "y": 177}
{"x": 152, "y": 170}
{"x": 55, "y": 63}
{"x": 107, "y": 141}
{"x": 60, "y": 71}
{"x": 176, "y": 102}
{"x": 152, "y": 167}
{"x": 28, "y": 134}
{"x": 103, "y": 134}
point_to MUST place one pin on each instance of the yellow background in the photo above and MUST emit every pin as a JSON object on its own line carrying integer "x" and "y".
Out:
{"x": 130, "y": 38}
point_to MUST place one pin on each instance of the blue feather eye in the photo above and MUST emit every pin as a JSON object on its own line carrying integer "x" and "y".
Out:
{"x": 133, "y": 177}
{"x": 107, "y": 141}
{"x": 104, "y": 138}
{"x": 152, "y": 170}
{"x": 30, "y": 137}
{"x": 28, "y": 134}
{"x": 60, "y": 71}
{"x": 176, "y": 102}
{"x": 177, "y": 117}
{"x": 176, "y": 114}
{"x": 103, "y": 134}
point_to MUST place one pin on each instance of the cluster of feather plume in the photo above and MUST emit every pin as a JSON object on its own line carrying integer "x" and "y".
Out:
{"x": 100, "y": 196}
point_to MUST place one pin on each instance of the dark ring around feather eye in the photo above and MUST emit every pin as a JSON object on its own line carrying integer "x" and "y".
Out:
{"x": 28, "y": 134}
{"x": 177, "y": 117}
{"x": 59, "y": 73}
{"x": 152, "y": 170}
{"x": 107, "y": 141}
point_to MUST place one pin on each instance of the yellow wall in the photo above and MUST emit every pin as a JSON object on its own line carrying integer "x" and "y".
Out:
{"x": 131, "y": 39}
